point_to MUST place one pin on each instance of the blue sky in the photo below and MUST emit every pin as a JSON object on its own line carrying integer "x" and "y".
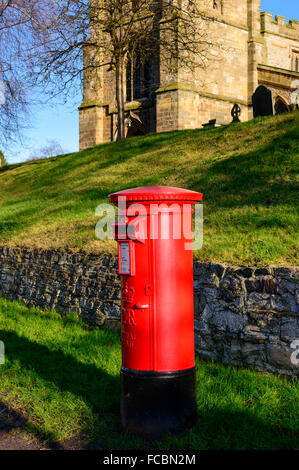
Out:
{"x": 287, "y": 8}
{"x": 60, "y": 122}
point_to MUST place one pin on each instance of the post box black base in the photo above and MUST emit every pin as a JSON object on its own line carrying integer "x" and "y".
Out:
{"x": 158, "y": 403}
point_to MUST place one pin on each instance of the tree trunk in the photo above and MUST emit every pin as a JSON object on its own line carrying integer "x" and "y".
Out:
{"x": 120, "y": 100}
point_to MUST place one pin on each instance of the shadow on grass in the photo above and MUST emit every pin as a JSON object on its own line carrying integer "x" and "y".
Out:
{"x": 264, "y": 176}
{"x": 12, "y": 420}
{"x": 99, "y": 157}
{"x": 221, "y": 429}
{"x": 216, "y": 428}
{"x": 96, "y": 387}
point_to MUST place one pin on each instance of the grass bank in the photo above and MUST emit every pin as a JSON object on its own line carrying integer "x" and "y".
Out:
{"x": 64, "y": 376}
{"x": 248, "y": 173}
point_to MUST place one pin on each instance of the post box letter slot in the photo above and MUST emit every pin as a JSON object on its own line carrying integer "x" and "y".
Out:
{"x": 126, "y": 258}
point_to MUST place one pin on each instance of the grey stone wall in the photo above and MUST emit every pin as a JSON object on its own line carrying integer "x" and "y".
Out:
{"x": 68, "y": 283}
{"x": 243, "y": 316}
{"x": 247, "y": 316}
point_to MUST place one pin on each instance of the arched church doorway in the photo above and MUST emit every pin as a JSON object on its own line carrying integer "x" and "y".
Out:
{"x": 134, "y": 131}
{"x": 281, "y": 106}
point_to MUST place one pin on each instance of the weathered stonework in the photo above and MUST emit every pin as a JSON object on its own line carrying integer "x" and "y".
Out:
{"x": 68, "y": 283}
{"x": 243, "y": 316}
{"x": 247, "y": 316}
{"x": 249, "y": 49}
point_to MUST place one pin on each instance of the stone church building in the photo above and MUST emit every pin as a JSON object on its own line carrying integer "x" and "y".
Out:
{"x": 251, "y": 49}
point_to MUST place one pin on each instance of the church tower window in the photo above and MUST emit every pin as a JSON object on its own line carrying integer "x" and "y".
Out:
{"x": 295, "y": 61}
{"x": 138, "y": 78}
{"x": 218, "y": 5}
{"x": 129, "y": 81}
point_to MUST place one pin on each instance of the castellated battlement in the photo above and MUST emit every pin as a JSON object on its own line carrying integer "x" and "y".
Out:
{"x": 279, "y": 25}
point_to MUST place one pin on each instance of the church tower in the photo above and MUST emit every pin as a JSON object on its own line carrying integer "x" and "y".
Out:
{"x": 191, "y": 100}
{"x": 248, "y": 48}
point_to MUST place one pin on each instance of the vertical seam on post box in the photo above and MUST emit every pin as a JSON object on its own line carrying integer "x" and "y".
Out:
{"x": 151, "y": 276}
{"x": 153, "y": 319}
{"x": 155, "y": 352}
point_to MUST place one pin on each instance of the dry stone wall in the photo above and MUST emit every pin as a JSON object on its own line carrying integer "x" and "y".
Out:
{"x": 84, "y": 284}
{"x": 247, "y": 316}
{"x": 243, "y": 316}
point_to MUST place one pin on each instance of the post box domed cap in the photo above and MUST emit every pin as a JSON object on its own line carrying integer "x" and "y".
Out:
{"x": 156, "y": 193}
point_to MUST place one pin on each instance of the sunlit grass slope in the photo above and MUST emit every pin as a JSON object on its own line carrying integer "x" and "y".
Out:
{"x": 248, "y": 173}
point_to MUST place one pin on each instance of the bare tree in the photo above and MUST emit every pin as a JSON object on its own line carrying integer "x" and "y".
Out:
{"x": 22, "y": 24}
{"x": 51, "y": 149}
{"x": 113, "y": 32}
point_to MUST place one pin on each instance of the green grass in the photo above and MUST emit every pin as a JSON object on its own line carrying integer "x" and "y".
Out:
{"x": 65, "y": 376}
{"x": 248, "y": 173}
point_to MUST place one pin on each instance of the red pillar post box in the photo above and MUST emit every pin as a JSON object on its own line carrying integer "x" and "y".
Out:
{"x": 158, "y": 368}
